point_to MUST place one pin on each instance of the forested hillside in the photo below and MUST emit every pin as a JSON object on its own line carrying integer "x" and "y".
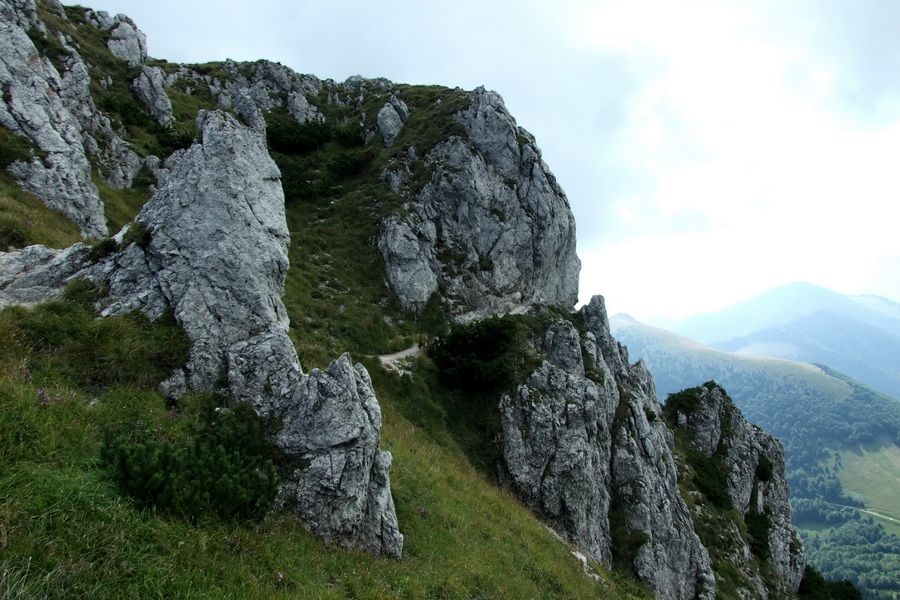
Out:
{"x": 824, "y": 420}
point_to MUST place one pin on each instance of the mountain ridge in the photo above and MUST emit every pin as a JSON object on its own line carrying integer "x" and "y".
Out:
{"x": 807, "y": 323}
{"x": 281, "y": 220}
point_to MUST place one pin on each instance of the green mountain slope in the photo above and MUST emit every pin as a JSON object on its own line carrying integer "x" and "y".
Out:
{"x": 823, "y": 418}
{"x": 858, "y": 335}
{"x": 114, "y": 487}
{"x": 67, "y": 532}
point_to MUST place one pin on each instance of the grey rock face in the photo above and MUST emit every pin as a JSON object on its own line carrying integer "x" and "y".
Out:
{"x": 580, "y": 449}
{"x": 301, "y": 109}
{"x": 37, "y": 274}
{"x": 215, "y": 252}
{"x": 671, "y": 560}
{"x": 556, "y": 451}
{"x": 333, "y": 421}
{"x": 585, "y": 448}
{"x": 610, "y": 353}
{"x": 491, "y": 228}
{"x": 716, "y": 426}
{"x": 21, "y": 13}
{"x": 266, "y": 87}
{"x": 34, "y": 107}
{"x": 148, "y": 87}
{"x": 391, "y": 118}
{"x": 127, "y": 41}
{"x": 218, "y": 220}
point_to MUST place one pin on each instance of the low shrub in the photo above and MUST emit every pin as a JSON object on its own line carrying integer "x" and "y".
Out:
{"x": 102, "y": 249}
{"x": 225, "y": 470}
{"x": 169, "y": 139}
{"x": 137, "y": 234}
{"x": 349, "y": 163}
{"x": 13, "y": 148}
{"x": 685, "y": 401}
{"x": 758, "y": 525}
{"x": 287, "y": 136}
{"x": 12, "y": 234}
{"x": 710, "y": 478}
{"x": 764, "y": 469}
{"x": 477, "y": 356}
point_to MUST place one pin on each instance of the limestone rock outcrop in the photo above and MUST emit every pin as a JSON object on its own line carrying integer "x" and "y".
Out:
{"x": 391, "y": 118}
{"x": 753, "y": 462}
{"x": 36, "y": 105}
{"x": 580, "y": 449}
{"x": 586, "y": 446}
{"x": 148, "y": 87}
{"x": 491, "y": 230}
{"x": 212, "y": 246}
{"x": 125, "y": 40}
{"x": 333, "y": 421}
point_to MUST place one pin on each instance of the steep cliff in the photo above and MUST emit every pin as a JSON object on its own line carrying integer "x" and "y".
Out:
{"x": 581, "y": 449}
{"x": 491, "y": 230}
{"x": 586, "y": 448}
{"x": 752, "y": 463}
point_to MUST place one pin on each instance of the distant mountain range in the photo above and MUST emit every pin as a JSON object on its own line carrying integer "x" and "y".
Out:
{"x": 841, "y": 435}
{"x": 857, "y": 335}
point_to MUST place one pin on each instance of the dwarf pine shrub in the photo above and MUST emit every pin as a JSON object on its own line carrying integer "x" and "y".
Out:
{"x": 224, "y": 470}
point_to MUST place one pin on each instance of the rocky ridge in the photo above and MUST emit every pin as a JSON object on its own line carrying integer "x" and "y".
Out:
{"x": 212, "y": 247}
{"x": 580, "y": 448}
{"x": 585, "y": 446}
{"x": 488, "y": 232}
{"x": 753, "y": 462}
{"x": 491, "y": 231}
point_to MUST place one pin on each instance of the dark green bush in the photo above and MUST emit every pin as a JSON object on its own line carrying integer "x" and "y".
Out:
{"x": 685, "y": 401}
{"x": 764, "y": 469}
{"x": 13, "y": 148}
{"x": 477, "y": 355}
{"x": 103, "y": 248}
{"x": 12, "y": 234}
{"x": 127, "y": 109}
{"x": 137, "y": 235}
{"x": 816, "y": 587}
{"x": 226, "y": 470}
{"x": 349, "y": 136}
{"x": 287, "y": 136}
{"x": 758, "y": 525}
{"x": 297, "y": 179}
{"x": 349, "y": 163}
{"x": 710, "y": 478}
{"x": 169, "y": 139}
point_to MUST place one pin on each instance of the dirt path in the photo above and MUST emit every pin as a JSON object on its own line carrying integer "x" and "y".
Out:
{"x": 390, "y": 360}
{"x": 879, "y": 515}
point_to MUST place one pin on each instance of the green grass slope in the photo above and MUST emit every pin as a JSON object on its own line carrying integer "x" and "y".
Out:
{"x": 66, "y": 531}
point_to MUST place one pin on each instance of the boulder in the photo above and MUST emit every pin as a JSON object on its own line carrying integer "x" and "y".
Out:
{"x": 127, "y": 41}
{"x": 148, "y": 87}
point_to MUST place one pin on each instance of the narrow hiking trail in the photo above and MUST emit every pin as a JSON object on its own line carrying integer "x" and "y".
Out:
{"x": 391, "y": 361}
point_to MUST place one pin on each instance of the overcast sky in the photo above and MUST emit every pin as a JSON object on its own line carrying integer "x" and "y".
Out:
{"x": 710, "y": 150}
